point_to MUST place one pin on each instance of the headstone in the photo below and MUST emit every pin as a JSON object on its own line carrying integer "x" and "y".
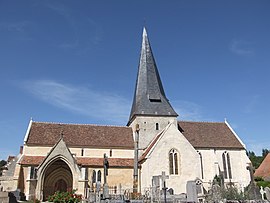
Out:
{"x": 156, "y": 181}
{"x": 170, "y": 191}
{"x": 262, "y": 192}
{"x": 267, "y": 193}
{"x": 163, "y": 180}
{"x": 155, "y": 187}
{"x": 192, "y": 195}
{"x": 253, "y": 190}
{"x": 199, "y": 186}
{"x": 4, "y": 197}
{"x": 98, "y": 188}
{"x": 106, "y": 191}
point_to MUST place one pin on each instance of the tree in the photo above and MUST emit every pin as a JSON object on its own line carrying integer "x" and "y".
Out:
{"x": 2, "y": 164}
{"x": 255, "y": 160}
{"x": 265, "y": 152}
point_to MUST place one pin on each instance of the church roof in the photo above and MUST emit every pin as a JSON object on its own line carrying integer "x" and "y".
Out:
{"x": 210, "y": 135}
{"x": 81, "y": 135}
{"x": 149, "y": 97}
{"x": 85, "y": 161}
{"x": 264, "y": 169}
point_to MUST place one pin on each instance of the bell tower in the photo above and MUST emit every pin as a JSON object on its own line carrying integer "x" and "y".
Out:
{"x": 151, "y": 109}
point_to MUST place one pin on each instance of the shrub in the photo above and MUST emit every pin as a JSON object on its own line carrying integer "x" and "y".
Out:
{"x": 65, "y": 197}
{"x": 263, "y": 183}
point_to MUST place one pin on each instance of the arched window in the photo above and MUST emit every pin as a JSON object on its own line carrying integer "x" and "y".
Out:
{"x": 227, "y": 165}
{"x": 99, "y": 176}
{"x": 110, "y": 152}
{"x": 82, "y": 152}
{"x": 157, "y": 126}
{"x": 201, "y": 164}
{"x": 94, "y": 176}
{"x": 173, "y": 162}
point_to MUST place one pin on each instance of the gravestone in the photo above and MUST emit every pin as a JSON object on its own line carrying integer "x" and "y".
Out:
{"x": 262, "y": 192}
{"x": 170, "y": 191}
{"x": 163, "y": 178}
{"x": 155, "y": 187}
{"x": 98, "y": 189}
{"x": 267, "y": 193}
{"x": 4, "y": 197}
{"x": 253, "y": 190}
{"x": 192, "y": 195}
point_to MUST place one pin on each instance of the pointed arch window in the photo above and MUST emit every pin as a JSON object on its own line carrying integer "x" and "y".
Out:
{"x": 227, "y": 165}
{"x": 173, "y": 162}
{"x": 201, "y": 164}
{"x": 94, "y": 176}
{"x": 99, "y": 176}
{"x": 82, "y": 152}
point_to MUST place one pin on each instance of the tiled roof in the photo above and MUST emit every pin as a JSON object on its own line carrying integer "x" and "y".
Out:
{"x": 209, "y": 135}
{"x": 85, "y": 161}
{"x": 31, "y": 160}
{"x": 98, "y": 162}
{"x": 80, "y": 135}
{"x": 264, "y": 169}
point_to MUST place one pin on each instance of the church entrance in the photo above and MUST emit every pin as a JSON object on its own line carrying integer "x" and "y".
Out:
{"x": 58, "y": 177}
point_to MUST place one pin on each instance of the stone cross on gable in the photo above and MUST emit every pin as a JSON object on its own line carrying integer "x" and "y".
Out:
{"x": 163, "y": 179}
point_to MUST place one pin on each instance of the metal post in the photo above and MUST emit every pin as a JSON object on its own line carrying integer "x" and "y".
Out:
{"x": 165, "y": 189}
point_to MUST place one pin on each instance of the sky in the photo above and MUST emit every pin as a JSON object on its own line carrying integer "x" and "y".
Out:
{"x": 76, "y": 62}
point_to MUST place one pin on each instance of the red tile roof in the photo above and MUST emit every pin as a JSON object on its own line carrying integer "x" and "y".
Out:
{"x": 85, "y": 161}
{"x": 98, "y": 162}
{"x": 81, "y": 135}
{"x": 209, "y": 135}
{"x": 31, "y": 160}
{"x": 264, "y": 169}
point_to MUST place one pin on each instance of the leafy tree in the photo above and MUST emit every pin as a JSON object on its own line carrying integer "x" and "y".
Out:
{"x": 265, "y": 152}
{"x": 255, "y": 160}
{"x": 2, "y": 163}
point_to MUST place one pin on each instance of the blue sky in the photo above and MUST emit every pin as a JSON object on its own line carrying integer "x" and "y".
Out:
{"x": 76, "y": 62}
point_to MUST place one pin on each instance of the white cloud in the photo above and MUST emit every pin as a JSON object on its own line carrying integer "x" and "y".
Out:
{"x": 19, "y": 26}
{"x": 241, "y": 47}
{"x": 86, "y": 101}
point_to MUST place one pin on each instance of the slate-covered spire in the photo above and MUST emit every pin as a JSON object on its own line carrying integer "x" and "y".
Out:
{"x": 149, "y": 98}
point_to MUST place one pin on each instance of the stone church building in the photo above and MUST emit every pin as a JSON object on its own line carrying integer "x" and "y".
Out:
{"x": 59, "y": 156}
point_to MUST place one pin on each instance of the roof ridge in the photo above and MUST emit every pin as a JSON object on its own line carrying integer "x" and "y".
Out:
{"x": 85, "y": 124}
{"x": 201, "y": 121}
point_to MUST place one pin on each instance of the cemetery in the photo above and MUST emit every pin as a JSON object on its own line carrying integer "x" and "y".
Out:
{"x": 158, "y": 192}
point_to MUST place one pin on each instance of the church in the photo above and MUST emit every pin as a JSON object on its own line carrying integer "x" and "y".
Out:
{"x": 63, "y": 157}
